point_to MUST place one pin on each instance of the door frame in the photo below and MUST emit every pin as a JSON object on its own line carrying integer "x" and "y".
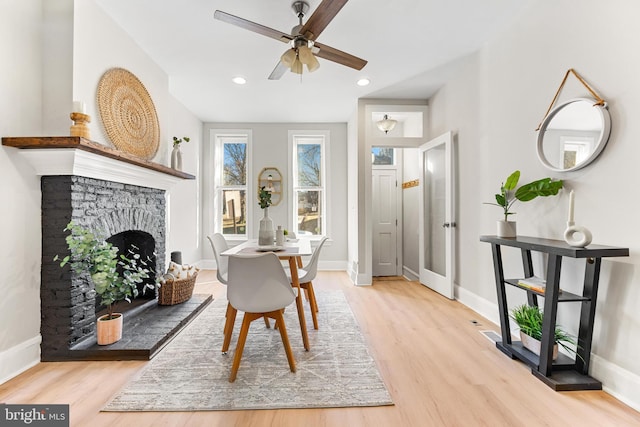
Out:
{"x": 445, "y": 285}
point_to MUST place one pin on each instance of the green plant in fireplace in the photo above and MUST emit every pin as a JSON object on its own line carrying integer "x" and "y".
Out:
{"x": 100, "y": 260}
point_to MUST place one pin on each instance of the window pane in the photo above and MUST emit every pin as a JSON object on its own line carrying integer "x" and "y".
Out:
{"x": 382, "y": 156}
{"x": 234, "y": 208}
{"x": 235, "y": 164}
{"x": 309, "y": 164}
{"x": 309, "y": 212}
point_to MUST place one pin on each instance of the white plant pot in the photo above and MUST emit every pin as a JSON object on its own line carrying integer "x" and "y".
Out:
{"x": 534, "y": 345}
{"x": 506, "y": 228}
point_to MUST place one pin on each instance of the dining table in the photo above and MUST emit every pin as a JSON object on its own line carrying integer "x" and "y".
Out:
{"x": 293, "y": 250}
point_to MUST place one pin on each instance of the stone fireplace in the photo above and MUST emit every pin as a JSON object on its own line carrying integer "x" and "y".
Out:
{"x": 122, "y": 213}
{"x": 121, "y": 199}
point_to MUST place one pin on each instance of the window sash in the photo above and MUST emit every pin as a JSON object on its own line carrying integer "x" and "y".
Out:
{"x": 238, "y": 225}
{"x": 317, "y": 224}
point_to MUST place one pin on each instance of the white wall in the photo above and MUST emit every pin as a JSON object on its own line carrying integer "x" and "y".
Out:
{"x": 100, "y": 44}
{"x": 20, "y": 115}
{"x": 270, "y": 148}
{"x": 494, "y": 101}
{"x": 49, "y": 69}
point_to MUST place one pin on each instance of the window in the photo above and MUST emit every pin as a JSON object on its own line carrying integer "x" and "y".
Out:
{"x": 232, "y": 166}
{"x": 382, "y": 156}
{"x": 309, "y": 182}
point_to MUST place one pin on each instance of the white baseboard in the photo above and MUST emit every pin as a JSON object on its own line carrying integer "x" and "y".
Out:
{"x": 19, "y": 358}
{"x": 409, "y": 274}
{"x": 618, "y": 382}
{"x": 480, "y": 305}
{"x": 332, "y": 265}
{"x": 206, "y": 264}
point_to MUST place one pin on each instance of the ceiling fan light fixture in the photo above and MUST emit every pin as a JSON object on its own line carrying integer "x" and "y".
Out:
{"x": 386, "y": 124}
{"x": 288, "y": 57}
{"x": 296, "y": 66}
{"x": 308, "y": 58}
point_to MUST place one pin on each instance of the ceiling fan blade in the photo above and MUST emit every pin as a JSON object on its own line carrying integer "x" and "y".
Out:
{"x": 278, "y": 71}
{"x": 335, "y": 55}
{"x": 318, "y": 21}
{"x": 251, "y": 26}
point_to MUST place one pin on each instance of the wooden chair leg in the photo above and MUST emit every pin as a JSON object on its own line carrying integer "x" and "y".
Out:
{"x": 242, "y": 338}
{"x": 266, "y": 322}
{"x": 228, "y": 328}
{"x": 308, "y": 288}
{"x": 285, "y": 340}
{"x": 227, "y": 314}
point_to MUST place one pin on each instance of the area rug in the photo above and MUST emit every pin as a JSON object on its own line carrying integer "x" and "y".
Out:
{"x": 191, "y": 374}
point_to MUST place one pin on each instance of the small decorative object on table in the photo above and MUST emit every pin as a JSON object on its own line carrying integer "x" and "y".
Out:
{"x": 508, "y": 196}
{"x": 176, "y": 154}
{"x": 279, "y": 236}
{"x": 177, "y": 285}
{"x": 573, "y": 232}
{"x": 266, "y": 233}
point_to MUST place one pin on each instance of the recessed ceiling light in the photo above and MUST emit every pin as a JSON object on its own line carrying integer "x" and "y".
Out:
{"x": 363, "y": 82}
{"x": 239, "y": 80}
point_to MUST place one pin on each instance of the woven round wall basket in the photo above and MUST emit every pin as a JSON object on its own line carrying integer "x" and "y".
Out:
{"x": 128, "y": 114}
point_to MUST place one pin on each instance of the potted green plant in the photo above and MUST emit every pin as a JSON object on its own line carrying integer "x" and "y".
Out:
{"x": 266, "y": 233}
{"x": 509, "y": 195}
{"x": 100, "y": 260}
{"x": 529, "y": 320}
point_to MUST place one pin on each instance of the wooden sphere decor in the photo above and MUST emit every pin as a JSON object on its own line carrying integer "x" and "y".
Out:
{"x": 128, "y": 114}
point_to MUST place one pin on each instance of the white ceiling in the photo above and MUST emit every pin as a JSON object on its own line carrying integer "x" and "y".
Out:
{"x": 401, "y": 39}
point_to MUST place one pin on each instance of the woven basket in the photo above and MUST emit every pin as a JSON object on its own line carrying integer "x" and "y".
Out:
{"x": 176, "y": 291}
{"x": 128, "y": 114}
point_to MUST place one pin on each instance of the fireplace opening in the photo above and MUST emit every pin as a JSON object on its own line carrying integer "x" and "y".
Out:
{"x": 141, "y": 243}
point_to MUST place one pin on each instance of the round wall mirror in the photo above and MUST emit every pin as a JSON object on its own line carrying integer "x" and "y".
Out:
{"x": 573, "y": 134}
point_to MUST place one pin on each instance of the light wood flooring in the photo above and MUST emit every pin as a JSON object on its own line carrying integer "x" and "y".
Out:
{"x": 439, "y": 369}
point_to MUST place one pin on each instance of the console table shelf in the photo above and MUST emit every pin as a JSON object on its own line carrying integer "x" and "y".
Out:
{"x": 564, "y": 373}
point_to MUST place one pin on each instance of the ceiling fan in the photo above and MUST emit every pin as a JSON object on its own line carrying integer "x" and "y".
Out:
{"x": 304, "y": 47}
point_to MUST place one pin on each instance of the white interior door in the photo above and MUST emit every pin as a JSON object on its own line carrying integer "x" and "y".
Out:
{"x": 385, "y": 222}
{"x": 436, "y": 214}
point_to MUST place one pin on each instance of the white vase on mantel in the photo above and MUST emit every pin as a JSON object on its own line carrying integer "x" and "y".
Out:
{"x": 506, "y": 228}
{"x": 176, "y": 158}
{"x": 266, "y": 233}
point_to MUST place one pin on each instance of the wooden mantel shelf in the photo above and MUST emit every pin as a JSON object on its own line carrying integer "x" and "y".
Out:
{"x": 79, "y": 143}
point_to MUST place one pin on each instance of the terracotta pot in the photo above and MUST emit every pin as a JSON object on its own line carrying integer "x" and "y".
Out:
{"x": 109, "y": 331}
{"x": 533, "y": 345}
{"x": 506, "y": 228}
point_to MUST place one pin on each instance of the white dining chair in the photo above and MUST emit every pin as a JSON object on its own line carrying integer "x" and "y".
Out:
{"x": 258, "y": 286}
{"x": 219, "y": 244}
{"x": 306, "y": 275}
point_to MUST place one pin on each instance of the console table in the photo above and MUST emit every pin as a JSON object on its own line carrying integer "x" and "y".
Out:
{"x": 564, "y": 373}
